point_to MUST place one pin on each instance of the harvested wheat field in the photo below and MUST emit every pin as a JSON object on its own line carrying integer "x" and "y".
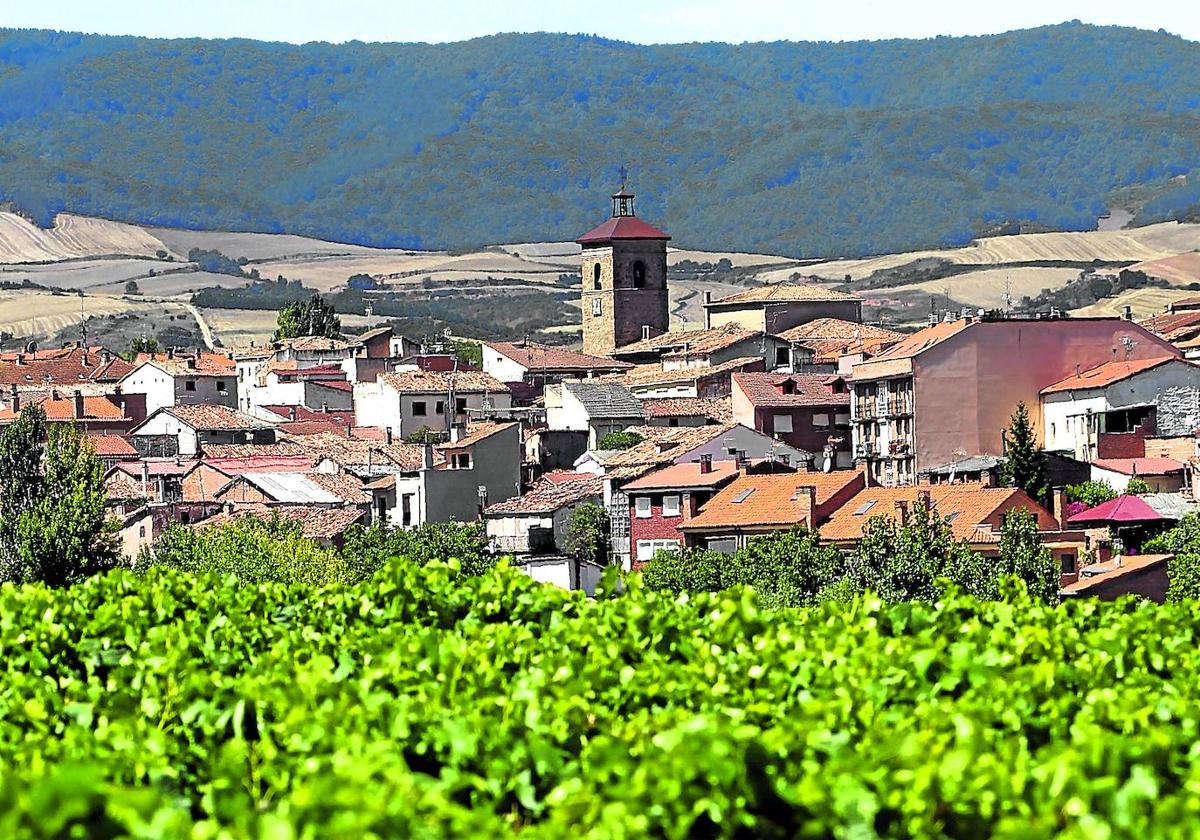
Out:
{"x": 72, "y": 237}
{"x": 241, "y": 326}
{"x": 1145, "y": 302}
{"x": 93, "y": 275}
{"x": 1180, "y": 269}
{"x": 36, "y": 314}
{"x": 985, "y": 288}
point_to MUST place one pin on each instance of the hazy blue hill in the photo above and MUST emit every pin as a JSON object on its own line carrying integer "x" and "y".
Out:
{"x": 798, "y": 148}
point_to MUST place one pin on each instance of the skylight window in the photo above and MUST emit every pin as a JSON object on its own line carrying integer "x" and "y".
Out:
{"x": 864, "y": 507}
{"x": 743, "y": 496}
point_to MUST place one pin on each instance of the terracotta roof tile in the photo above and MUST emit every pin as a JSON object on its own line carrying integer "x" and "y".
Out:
{"x": 621, "y": 227}
{"x": 548, "y": 496}
{"x": 189, "y": 364}
{"x": 717, "y": 409}
{"x": 475, "y": 433}
{"x": 315, "y": 522}
{"x": 76, "y": 365}
{"x": 1108, "y": 373}
{"x": 317, "y": 343}
{"x": 830, "y": 329}
{"x": 440, "y": 382}
{"x": 280, "y": 449}
{"x": 112, "y": 446}
{"x": 770, "y": 500}
{"x": 968, "y": 505}
{"x": 685, "y": 475}
{"x": 543, "y": 357}
{"x": 791, "y": 389}
{"x": 665, "y": 445}
{"x": 789, "y": 292}
{"x": 1100, "y": 573}
{"x": 653, "y": 374}
{"x": 696, "y": 341}
{"x": 215, "y": 418}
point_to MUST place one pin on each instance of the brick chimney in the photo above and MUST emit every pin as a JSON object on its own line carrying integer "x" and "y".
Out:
{"x": 458, "y": 431}
{"x": 902, "y": 511}
{"x": 1060, "y": 507}
{"x": 705, "y": 464}
{"x": 427, "y": 457}
{"x": 145, "y": 477}
{"x": 291, "y": 412}
{"x": 387, "y": 434}
{"x": 15, "y": 398}
{"x": 78, "y": 405}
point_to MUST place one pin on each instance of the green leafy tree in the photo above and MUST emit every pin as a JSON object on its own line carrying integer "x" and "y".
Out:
{"x": 689, "y": 570}
{"x": 250, "y": 547}
{"x": 904, "y": 561}
{"x": 312, "y": 316}
{"x": 619, "y": 440}
{"x": 1022, "y": 554}
{"x": 788, "y": 568}
{"x": 1137, "y": 487}
{"x": 587, "y": 538}
{"x": 55, "y": 529}
{"x": 131, "y": 288}
{"x": 141, "y": 344}
{"x": 366, "y": 549}
{"x": 1183, "y": 569}
{"x": 1091, "y": 493}
{"x": 1025, "y": 464}
{"x": 468, "y": 353}
{"x": 426, "y": 435}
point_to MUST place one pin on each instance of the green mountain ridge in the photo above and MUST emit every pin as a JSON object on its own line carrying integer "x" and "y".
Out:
{"x": 805, "y": 149}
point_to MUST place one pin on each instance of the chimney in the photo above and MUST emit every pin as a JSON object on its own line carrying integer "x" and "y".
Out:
{"x": 427, "y": 457}
{"x": 324, "y": 408}
{"x": 740, "y": 460}
{"x": 902, "y": 511}
{"x": 387, "y": 434}
{"x": 170, "y": 353}
{"x": 291, "y": 412}
{"x": 145, "y": 477}
{"x": 78, "y": 405}
{"x": 925, "y": 499}
{"x": 1060, "y": 507}
{"x": 20, "y": 358}
{"x": 458, "y": 431}
{"x": 15, "y": 398}
{"x": 707, "y": 298}
{"x": 191, "y": 363}
{"x": 705, "y": 464}
{"x": 349, "y": 430}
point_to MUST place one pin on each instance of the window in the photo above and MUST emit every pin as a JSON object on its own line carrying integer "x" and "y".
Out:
{"x": 639, "y": 275}
{"x": 782, "y": 423}
{"x": 670, "y": 506}
{"x": 820, "y": 421}
{"x": 842, "y": 421}
{"x": 782, "y": 357}
{"x": 596, "y": 278}
{"x": 221, "y": 389}
{"x": 439, "y": 407}
{"x": 185, "y": 518}
{"x": 142, "y": 532}
{"x": 406, "y": 509}
{"x": 863, "y": 508}
{"x": 460, "y": 461}
{"x": 1052, "y": 433}
{"x": 743, "y": 496}
{"x": 418, "y": 408}
{"x": 642, "y": 504}
{"x": 646, "y": 549}
{"x": 1068, "y": 564}
{"x": 460, "y": 405}
{"x": 190, "y": 385}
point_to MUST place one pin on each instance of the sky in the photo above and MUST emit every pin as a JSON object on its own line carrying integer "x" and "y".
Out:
{"x": 641, "y": 21}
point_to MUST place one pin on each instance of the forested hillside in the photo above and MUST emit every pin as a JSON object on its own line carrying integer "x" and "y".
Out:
{"x": 805, "y": 149}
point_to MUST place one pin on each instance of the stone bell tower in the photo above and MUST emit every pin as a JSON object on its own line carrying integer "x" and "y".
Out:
{"x": 624, "y": 279}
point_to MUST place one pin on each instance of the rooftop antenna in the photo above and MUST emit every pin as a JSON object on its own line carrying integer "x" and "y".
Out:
{"x": 1007, "y": 294}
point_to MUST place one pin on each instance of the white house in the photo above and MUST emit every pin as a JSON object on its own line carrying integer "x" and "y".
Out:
{"x": 167, "y": 380}
{"x": 593, "y": 407}
{"x": 281, "y": 383}
{"x": 411, "y": 399}
{"x": 1088, "y": 413}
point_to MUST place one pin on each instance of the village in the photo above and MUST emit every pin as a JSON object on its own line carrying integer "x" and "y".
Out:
{"x": 784, "y": 410}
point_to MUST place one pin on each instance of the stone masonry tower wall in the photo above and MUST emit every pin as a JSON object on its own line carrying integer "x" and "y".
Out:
{"x": 632, "y": 293}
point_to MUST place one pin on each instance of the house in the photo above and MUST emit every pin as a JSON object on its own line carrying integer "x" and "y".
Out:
{"x": 949, "y": 390}
{"x": 294, "y": 488}
{"x": 974, "y": 512}
{"x": 527, "y": 368}
{"x": 1179, "y": 324}
{"x": 281, "y": 414}
{"x": 135, "y": 533}
{"x": 325, "y": 525}
{"x": 248, "y": 360}
{"x": 187, "y": 429}
{"x": 778, "y": 307}
{"x": 1163, "y": 475}
{"x": 1109, "y": 410}
{"x": 753, "y": 505}
{"x": 155, "y": 485}
{"x": 810, "y": 411}
{"x": 112, "y": 449}
{"x": 168, "y": 379}
{"x": 283, "y": 383}
{"x": 377, "y": 349}
{"x": 1145, "y": 575}
{"x": 663, "y": 501}
{"x": 834, "y": 345}
{"x": 680, "y": 349}
{"x": 687, "y": 411}
{"x": 73, "y": 365}
{"x": 314, "y": 351}
{"x": 100, "y": 414}
{"x": 597, "y": 408}
{"x": 411, "y": 399}
{"x": 654, "y": 381}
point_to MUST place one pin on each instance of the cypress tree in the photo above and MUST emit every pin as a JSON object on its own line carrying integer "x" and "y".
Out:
{"x": 1025, "y": 466}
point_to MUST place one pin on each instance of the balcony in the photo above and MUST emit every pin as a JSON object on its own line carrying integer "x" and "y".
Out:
{"x": 867, "y": 411}
{"x": 899, "y": 407}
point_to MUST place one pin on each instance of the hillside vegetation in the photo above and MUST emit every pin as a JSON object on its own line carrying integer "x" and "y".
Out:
{"x": 422, "y": 703}
{"x": 791, "y": 148}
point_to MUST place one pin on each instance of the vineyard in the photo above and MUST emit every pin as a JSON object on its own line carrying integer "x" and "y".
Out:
{"x": 421, "y": 703}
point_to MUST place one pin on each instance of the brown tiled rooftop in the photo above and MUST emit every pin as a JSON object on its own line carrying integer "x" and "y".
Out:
{"x": 717, "y": 409}
{"x": 767, "y": 500}
{"x": 791, "y": 389}
{"x": 547, "y": 496}
{"x": 1106, "y": 374}
{"x": 653, "y": 373}
{"x": 696, "y": 341}
{"x": 215, "y": 418}
{"x": 315, "y": 522}
{"x": 684, "y": 476}
{"x": 433, "y": 381}
{"x": 544, "y": 357}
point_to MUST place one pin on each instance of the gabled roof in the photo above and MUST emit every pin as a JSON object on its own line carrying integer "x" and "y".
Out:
{"x": 189, "y": 364}
{"x": 440, "y": 382}
{"x": 112, "y": 446}
{"x": 753, "y": 501}
{"x": 318, "y": 343}
{"x": 543, "y": 357}
{"x": 1108, "y": 373}
{"x": 605, "y": 399}
{"x": 966, "y": 505}
{"x": 289, "y": 488}
{"x": 213, "y": 418}
{"x": 686, "y": 476}
{"x": 922, "y": 340}
{"x": 662, "y": 445}
{"x": 621, "y": 227}
{"x": 654, "y": 374}
{"x": 713, "y": 408}
{"x": 784, "y": 293}
{"x": 822, "y": 329}
{"x": 548, "y": 496}
{"x": 791, "y": 389}
{"x": 696, "y": 341}
{"x": 315, "y": 522}
{"x": 70, "y": 365}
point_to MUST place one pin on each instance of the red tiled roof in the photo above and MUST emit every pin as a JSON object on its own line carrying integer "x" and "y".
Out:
{"x": 543, "y": 357}
{"x": 1106, "y": 374}
{"x": 318, "y": 343}
{"x": 717, "y": 409}
{"x": 157, "y": 466}
{"x": 621, "y": 227}
{"x": 60, "y": 409}
{"x": 653, "y": 373}
{"x": 696, "y": 341}
{"x": 767, "y": 389}
{"x": 548, "y": 496}
{"x": 686, "y": 475}
{"x": 189, "y": 364}
{"x": 440, "y": 382}
{"x": 923, "y": 339}
{"x": 112, "y": 446}
{"x": 260, "y": 463}
{"x": 303, "y": 412}
{"x": 832, "y": 329}
{"x": 215, "y": 418}
{"x": 315, "y": 522}
{"x": 1139, "y": 466}
{"x": 1174, "y": 325}
{"x": 768, "y": 500}
{"x": 475, "y": 433}
{"x": 76, "y": 365}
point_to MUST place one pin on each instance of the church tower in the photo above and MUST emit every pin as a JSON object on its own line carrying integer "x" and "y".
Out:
{"x": 624, "y": 279}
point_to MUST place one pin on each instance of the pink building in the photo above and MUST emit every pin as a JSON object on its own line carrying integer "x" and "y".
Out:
{"x": 948, "y": 391}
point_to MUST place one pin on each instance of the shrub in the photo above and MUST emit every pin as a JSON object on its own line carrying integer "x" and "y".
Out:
{"x": 1090, "y": 493}
{"x": 619, "y": 440}
{"x": 366, "y": 549}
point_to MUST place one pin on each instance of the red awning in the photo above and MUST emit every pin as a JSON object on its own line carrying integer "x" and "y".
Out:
{"x": 1123, "y": 509}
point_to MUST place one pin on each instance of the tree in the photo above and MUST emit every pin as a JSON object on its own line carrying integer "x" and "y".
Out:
{"x": 787, "y": 568}
{"x": 1025, "y": 464}
{"x": 55, "y": 529}
{"x": 312, "y": 316}
{"x": 1183, "y": 569}
{"x": 689, "y": 570}
{"x": 468, "y": 353}
{"x": 1091, "y": 493}
{"x": 425, "y": 435}
{"x": 131, "y": 288}
{"x": 1136, "y": 487}
{"x": 1022, "y": 554}
{"x": 365, "y": 549}
{"x": 903, "y": 561}
{"x": 587, "y": 538}
{"x": 141, "y": 344}
{"x": 619, "y": 440}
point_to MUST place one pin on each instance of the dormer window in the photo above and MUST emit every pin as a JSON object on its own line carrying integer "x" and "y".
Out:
{"x": 787, "y": 386}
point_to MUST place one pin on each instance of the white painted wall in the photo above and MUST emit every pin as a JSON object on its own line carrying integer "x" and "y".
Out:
{"x": 155, "y": 383}
{"x": 166, "y": 424}
{"x": 501, "y": 366}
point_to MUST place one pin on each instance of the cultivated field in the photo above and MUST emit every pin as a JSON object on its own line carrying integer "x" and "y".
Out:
{"x": 985, "y": 288}
{"x": 1145, "y": 302}
{"x": 92, "y": 275}
{"x": 241, "y": 326}
{"x": 73, "y": 237}
{"x": 34, "y": 314}
{"x": 1180, "y": 269}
